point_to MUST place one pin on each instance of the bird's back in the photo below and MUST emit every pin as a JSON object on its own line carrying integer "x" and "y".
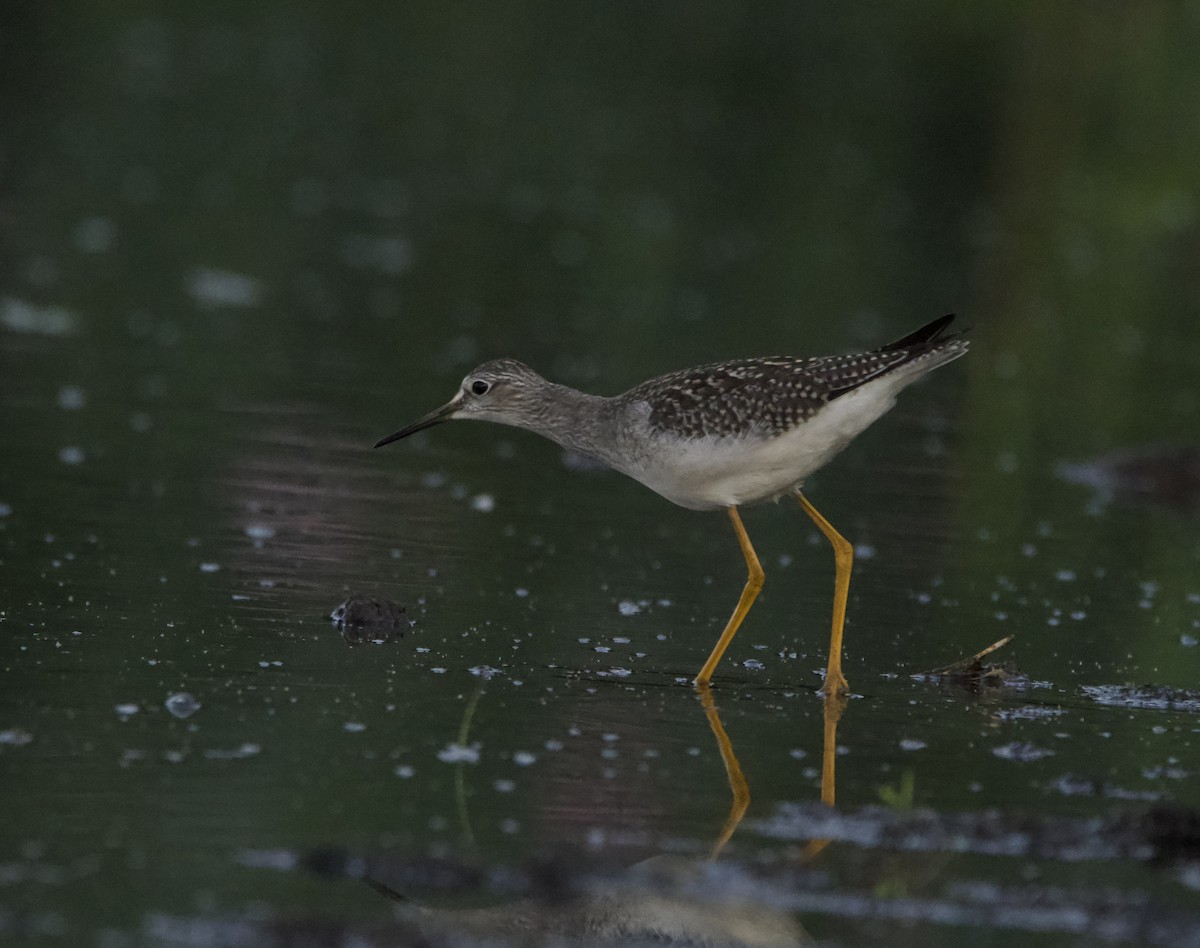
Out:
{"x": 747, "y": 430}
{"x": 770, "y": 396}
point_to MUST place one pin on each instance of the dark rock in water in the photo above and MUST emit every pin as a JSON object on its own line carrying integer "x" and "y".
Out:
{"x": 1166, "y": 475}
{"x": 370, "y": 619}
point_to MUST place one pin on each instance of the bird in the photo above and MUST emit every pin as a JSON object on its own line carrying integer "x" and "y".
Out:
{"x": 719, "y": 436}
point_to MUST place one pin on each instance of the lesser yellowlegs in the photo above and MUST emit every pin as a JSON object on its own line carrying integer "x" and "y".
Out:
{"x": 719, "y": 435}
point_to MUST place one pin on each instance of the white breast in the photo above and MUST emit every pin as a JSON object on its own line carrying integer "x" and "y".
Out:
{"x": 706, "y": 473}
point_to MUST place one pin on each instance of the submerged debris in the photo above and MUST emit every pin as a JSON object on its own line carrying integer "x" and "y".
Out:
{"x": 1158, "y": 834}
{"x": 570, "y": 899}
{"x": 972, "y": 672}
{"x": 1145, "y": 697}
{"x": 370, "y": 619}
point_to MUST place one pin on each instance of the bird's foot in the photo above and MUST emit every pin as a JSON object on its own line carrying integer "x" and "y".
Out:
{"x": 835, "y": 683}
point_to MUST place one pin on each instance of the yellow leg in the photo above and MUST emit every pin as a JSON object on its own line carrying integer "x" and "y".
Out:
{"x": 754, "y": 583}
{"x": 835, "y": 704}
{"x": 738, "y": 786}
{"x": 843, "y": 556}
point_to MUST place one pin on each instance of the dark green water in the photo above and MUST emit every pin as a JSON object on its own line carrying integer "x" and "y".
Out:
{"x": 239, "y": 244}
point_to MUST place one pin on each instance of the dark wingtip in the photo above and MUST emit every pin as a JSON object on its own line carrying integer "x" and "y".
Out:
{"x": 930, "y": 332}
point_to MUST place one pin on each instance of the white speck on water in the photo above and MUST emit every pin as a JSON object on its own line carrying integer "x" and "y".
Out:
{"x": 1187, "y": 641}
{"x": 433, "y": 479}
{"x": 604, "y": 649}
{"x": 71, "y": 398}
{"x": 619, "y": 672}
{"x": 583, "y": 641}
{"x": 386, "y": 254}
{"x": 504, "y": 786}
{"x": 1029, "y": 549}
{"x": 438, "y": 671}
{"x": 238, "y": 753}
{"x": 459, "y": 754}
{"x": 20, "y": 316}
{"x": 127, "y": 710}
{"x": 1021, "y": 752}
{"x": 864, "y": 551}
{"x": 210, "y": 567}
{"x": 268, "y": 664}
{"x": 224, "y": 288}
{"x": 72, "y": 454}
{"x": 395, "y": 553}
{"x": 5, "y": 510}
{"x": 181, "y": 704}
{"x": 484, "y": 503}
{"x": 797, "y": 754}
{"x": 785, "y": 560}
{"x": 510, "y": 826}
{"x": 422, "y": 648}
{"x": 553, "y": 745}
{"x": 620, "y": 640}
{"x": 15, "y": 737}
{"x": 627, "y": 607}
{"x": 354, "y": 727}
{"x": 524, "y": 758}
{"x": 95, "y": 234}
{"x": 1078, "y": 614}
{"x": 404, "y": 771}
{"x": 486, "y": 672}
{"x": 610, "y": 737}
{"x": 912, "y": 744}
{"x": 259, "y": 531}
{"x": 521, "y": 592}
{"x": 1065, "y": 575}
{"x": 753, "y": 664}
{"x": 665, "y": 603}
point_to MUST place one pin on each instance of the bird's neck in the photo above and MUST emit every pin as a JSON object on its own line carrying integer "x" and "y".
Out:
{"x": 582, "y": 422}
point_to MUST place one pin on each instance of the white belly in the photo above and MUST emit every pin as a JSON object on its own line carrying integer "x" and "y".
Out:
{"x": 705, "y": 473}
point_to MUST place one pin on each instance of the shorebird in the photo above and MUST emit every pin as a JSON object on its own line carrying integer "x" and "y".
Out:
{"x": 719, "y": 436}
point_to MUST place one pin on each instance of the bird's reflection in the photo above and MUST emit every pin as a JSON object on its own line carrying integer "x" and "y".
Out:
{"x": 666, "y": 899}
{"x": 834, "y": 706}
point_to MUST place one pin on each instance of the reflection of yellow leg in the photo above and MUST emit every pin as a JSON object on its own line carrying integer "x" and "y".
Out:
{"x": 843, "y": 556}
{"x": 754, "y": 583}
{"x": 835, "y": 704}
{"x": 737, "y": 782}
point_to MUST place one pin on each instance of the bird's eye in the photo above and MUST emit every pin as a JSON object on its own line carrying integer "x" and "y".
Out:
{"x": 480, "y": 387}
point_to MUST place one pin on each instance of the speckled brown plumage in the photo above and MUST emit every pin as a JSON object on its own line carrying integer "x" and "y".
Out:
{"x": 769, "y": 396}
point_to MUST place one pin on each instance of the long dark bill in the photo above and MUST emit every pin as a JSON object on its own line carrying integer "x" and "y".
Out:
{"x": 437, "y": 416}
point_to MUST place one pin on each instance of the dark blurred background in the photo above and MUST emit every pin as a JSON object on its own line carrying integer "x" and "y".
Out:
{"x": 239, "y": 242}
